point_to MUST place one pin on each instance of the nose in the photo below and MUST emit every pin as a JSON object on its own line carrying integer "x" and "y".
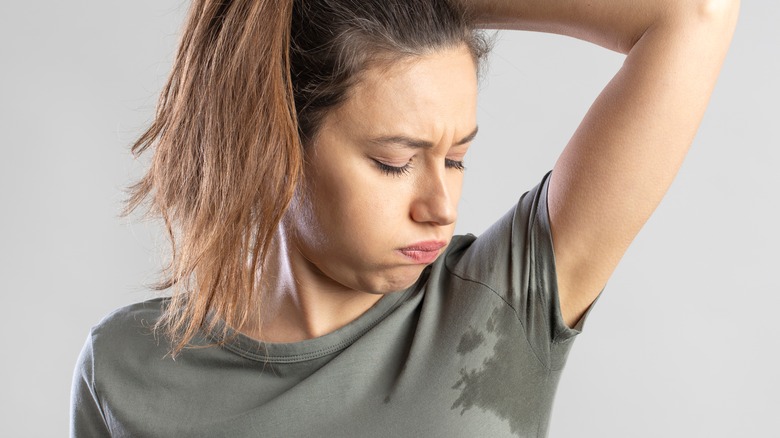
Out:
{"x": 434, "y": 201}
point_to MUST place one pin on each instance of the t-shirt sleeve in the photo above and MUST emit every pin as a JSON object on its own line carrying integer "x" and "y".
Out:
{"x": 86, "y": 414}
{"x": 515, "y": 259}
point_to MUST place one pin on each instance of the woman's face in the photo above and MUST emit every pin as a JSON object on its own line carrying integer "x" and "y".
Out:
{"x": 383, "y": 176}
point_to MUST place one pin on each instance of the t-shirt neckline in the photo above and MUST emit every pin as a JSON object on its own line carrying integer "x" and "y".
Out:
{"x": 314, "y": 348}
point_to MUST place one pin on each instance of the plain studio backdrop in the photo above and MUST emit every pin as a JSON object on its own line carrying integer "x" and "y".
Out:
{"x": 683, "y": 343}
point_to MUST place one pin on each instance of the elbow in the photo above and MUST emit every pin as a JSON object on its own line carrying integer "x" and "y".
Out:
{"x": 716, "y": 17}
{"x": 710, "y": 10}
{"x": 697, "y": 11}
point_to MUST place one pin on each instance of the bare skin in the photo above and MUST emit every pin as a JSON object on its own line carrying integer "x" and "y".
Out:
{"x": 340, "y": 246}
{"x": 336, "y": 252}
{"x": 625, "y": 154}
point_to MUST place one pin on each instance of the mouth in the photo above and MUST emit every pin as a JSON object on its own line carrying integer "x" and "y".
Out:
{"x": 423, "y": 252}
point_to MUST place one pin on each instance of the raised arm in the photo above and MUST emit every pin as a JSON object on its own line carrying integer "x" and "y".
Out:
{"x": 623, "y": 157}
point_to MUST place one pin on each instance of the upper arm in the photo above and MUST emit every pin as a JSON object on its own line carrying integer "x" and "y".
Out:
{"x": 623, "y": 157}
{"x": 86, "y": 412}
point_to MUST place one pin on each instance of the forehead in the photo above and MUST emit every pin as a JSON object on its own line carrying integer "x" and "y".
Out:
{"x": 428, "y": 95}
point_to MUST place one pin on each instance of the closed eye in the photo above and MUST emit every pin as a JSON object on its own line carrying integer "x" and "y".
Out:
{"x": 453, "y": 164}
{"x": 393, "y": 170}
{"x": 405, "y": 169}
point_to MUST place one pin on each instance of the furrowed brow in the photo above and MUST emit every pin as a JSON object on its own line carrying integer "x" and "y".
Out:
{"x": 416, "y": 143}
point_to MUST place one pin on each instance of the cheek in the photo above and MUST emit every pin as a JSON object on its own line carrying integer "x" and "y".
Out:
{"x": 357, "y": 214}
{"x": 366, "y": 211}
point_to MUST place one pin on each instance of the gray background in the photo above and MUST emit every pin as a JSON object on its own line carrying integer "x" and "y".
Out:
{"x": 682, "y": 344}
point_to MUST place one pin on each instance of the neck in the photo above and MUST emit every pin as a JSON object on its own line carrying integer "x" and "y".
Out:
{"x": 298, "y": 301}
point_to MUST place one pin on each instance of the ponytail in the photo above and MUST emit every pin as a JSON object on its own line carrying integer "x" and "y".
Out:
{"x": 245, "y": 95}
{"x": 227, "y": 158}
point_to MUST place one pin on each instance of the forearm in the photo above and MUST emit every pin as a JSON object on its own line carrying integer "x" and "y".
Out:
{"x": 675, "y": 51}
{"x": 614, "y": 24}
{"x": 628, "y": 148}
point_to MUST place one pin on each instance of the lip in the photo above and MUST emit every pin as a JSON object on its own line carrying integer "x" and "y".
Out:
{"x": 423, "y": 252}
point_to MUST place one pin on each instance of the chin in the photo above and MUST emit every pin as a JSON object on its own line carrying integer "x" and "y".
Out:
{"x": 397, "y": 282}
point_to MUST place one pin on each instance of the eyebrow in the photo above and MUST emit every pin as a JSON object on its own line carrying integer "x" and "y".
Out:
{"x": 417, "y": 143}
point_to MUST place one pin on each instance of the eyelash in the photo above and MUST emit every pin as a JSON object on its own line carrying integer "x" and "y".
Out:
{"x": 397, "y": 171}
{"x": 455, "y": 165}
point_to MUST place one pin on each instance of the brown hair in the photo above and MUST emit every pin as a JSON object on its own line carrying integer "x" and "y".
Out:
{"x": 250, "y": 84}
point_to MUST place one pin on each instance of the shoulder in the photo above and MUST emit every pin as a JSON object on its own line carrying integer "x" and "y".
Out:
{"x": 509, "y": 246}
{"x": 129, "y": 320}
{"x": 126, "y": 333}
{"x": 120, "y": 346}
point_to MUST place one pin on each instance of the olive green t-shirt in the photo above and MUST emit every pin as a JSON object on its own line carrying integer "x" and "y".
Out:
{"x": 474, "y": 349}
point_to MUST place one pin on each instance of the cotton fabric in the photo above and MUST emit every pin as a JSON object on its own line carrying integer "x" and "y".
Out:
{"x": 475, "y": 348}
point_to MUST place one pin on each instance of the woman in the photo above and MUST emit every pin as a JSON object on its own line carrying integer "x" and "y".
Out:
{"x": 308, "y": 163}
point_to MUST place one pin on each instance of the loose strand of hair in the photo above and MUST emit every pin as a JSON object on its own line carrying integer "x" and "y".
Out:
{"x": 226, "y": 142}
